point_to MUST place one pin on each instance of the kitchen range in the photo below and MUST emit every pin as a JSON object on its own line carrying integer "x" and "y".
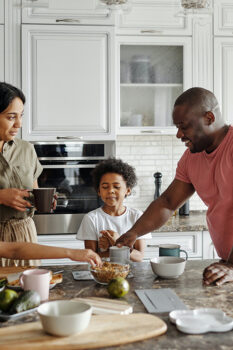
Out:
{"x": 67, "y": 166}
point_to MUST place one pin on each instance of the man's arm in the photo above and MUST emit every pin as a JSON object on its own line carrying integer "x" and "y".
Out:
{"x": 158, "y": 212}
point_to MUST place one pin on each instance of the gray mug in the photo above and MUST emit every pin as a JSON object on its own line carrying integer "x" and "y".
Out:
{"x": 171, "y": 250}
{"x": 121, "y": 255}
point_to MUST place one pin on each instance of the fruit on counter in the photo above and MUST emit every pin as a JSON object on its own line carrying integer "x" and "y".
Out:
{"x": 28, "y": 299}
{"x": 118, "y": 287}
{"x": 7, "y": 298}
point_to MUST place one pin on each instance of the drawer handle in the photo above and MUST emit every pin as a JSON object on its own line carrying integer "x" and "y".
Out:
{"x": 152, "y": 31}
{"x": 68, "y": 20}
{"x": 153, "y": 246}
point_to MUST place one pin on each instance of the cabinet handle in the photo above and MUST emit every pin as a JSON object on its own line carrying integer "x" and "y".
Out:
{"x": 151, "y": 31}
{"x": 151, "y": 131}
{"x": 68, "y": 20}
{"x": 153, "y": 245}
{"x": 69, "y": 137}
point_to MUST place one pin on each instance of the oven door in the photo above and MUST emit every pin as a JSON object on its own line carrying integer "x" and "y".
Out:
{"x": 75, "y": 196}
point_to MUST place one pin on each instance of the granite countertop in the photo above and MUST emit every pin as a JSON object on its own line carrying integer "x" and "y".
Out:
{"x": 195, "y": 221}
{"x": 188, "y": 287}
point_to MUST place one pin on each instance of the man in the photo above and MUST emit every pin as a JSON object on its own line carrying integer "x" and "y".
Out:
{"x": 205, "y": 167}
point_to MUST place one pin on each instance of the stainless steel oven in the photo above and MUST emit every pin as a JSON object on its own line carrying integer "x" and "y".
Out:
{"x": 68, "y": 166}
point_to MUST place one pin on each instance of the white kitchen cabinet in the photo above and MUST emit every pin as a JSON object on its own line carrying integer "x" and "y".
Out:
{"x": 1, "y": 11}
{"x": 223, "y": 17}
{"x": 88, "y": 12}
{"x": 67, "y": 76}
{"x": 189, "y": 241}
{"x": 63, "y": 241}
{"x": 156, "y": 17}
{"x": 1, "y": 53}
{"x": 223, "y": 75}
{"x": 151, "y": 73}
{"x": 209, "y": 251}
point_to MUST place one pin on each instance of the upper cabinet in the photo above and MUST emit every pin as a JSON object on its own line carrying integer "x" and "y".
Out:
{"x": 1, "y": 11}
{"x": 223, "y": 17}
{"x": 67, "y": 76}
{"x": 156, "y": 17}
{"x": 65, "y": 11}
{"x": 152, "y": 73}
{"x": 223, "y": 75}
{"x": 1, "y": 53}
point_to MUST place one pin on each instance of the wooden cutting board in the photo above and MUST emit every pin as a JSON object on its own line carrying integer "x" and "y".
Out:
{"x": 104, "y": 330}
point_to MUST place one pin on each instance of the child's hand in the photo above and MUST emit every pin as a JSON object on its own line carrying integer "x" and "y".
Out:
{"x": 111, "y": 236}
{"x": 104, "y": 244}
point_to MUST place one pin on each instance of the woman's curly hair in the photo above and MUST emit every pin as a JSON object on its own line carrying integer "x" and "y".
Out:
{"x": 117, "y": 166}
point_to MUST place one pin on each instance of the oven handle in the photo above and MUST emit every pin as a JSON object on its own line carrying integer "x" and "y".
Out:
{"x": 68, "y": 166}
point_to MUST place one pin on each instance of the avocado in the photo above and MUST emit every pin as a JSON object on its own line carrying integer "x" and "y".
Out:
{"x": 27, "y": 300}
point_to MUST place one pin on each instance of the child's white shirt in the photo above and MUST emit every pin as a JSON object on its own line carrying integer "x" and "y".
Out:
{"x": 97, "y": 220}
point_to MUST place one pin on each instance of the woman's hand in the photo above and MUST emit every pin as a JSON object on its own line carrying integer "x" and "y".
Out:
{"x": 111, "y": 236}
{"x": 15, "y": 198}
{"x": 218, "y": 273}
{"x": 85, "y": 255}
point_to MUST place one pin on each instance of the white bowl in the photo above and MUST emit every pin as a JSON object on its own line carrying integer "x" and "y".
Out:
{"x": 168, "y": 266}
{"x": 64, "y": 317}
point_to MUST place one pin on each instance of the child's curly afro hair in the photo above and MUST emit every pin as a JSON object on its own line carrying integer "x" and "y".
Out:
{"x": 117, "y": 166}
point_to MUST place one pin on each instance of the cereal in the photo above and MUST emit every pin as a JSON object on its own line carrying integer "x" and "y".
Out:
{"x": 108, "y": 271}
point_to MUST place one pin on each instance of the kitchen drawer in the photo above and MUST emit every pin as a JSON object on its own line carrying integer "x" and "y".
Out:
{"x": 223, "y": 17}
{"x": 65, "y": 12}
{"x": 154, "y": 17}
{"x": 189, "y": 241}
{"x": 68, "y": 241}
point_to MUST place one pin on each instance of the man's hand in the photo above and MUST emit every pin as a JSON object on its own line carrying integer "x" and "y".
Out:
{"x": 15, "y": 198}
{"x": 103, "y": 244}
{"x": 218, "y": 273}
{"x": 127, "y": 239}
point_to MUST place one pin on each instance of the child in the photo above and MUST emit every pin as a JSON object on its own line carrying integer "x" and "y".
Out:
{"x": 113, "y": 180}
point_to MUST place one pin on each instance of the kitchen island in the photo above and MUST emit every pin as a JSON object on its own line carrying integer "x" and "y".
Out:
{"x": 188, "y": 287}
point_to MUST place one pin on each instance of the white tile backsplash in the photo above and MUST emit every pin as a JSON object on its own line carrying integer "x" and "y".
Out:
{"x": 149, "y": 154}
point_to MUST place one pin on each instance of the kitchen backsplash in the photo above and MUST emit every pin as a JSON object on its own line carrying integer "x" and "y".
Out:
{"x": 149, "y": 154}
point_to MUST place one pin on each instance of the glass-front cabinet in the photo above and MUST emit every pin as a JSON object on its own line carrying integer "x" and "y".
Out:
{"x": 153, "y": 72}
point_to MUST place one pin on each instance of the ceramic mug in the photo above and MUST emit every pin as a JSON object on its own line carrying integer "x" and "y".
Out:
{"x": 119, "y": 254}
{"x": 37, "y": 280}
{"x": 171, "y": 250}
{"x": 43, "y": 199}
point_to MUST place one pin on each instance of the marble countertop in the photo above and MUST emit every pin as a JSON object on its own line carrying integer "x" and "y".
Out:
{"x": 188, "y": 287}
{"x": 195, "y": 221}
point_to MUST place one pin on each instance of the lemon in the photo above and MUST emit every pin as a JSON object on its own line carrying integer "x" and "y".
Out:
{"x": 7, "y": 297}
{"x": 118, "y": 287}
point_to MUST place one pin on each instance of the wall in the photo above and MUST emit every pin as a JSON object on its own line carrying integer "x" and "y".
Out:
{"x": 149, "y": 154}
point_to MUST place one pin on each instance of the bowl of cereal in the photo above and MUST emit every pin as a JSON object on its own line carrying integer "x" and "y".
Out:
{"x": 108, "y": 271}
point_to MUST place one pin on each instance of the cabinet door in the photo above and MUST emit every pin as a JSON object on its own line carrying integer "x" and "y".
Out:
{"x": 189, "y": 241}
{"x": 1, "y": 11}
{"x": 223, "y": 17}
{"x": 62, "y": 241}
{"x": 154, "y": 17}
{"x": 223, "y": 75}
{"x": 65, "y": 11}
{"x": 1, "y": 53}
{"x": 67, "y": 78}
{"x": 152, "y": 73}
{"x": 209, "y": 251}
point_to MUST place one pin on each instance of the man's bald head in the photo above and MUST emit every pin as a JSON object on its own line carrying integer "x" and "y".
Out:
{"x": 201, "y": 98}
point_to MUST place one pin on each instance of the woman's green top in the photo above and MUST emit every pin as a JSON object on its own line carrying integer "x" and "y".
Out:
{"x": 19, "y": 168}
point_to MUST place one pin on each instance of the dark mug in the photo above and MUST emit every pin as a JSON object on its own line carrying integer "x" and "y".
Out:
{"x": 171, "y": 250}
{"x": 43, "y": 199}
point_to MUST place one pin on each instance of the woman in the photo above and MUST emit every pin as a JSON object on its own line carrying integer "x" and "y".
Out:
{"x": 19, "y": 170}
